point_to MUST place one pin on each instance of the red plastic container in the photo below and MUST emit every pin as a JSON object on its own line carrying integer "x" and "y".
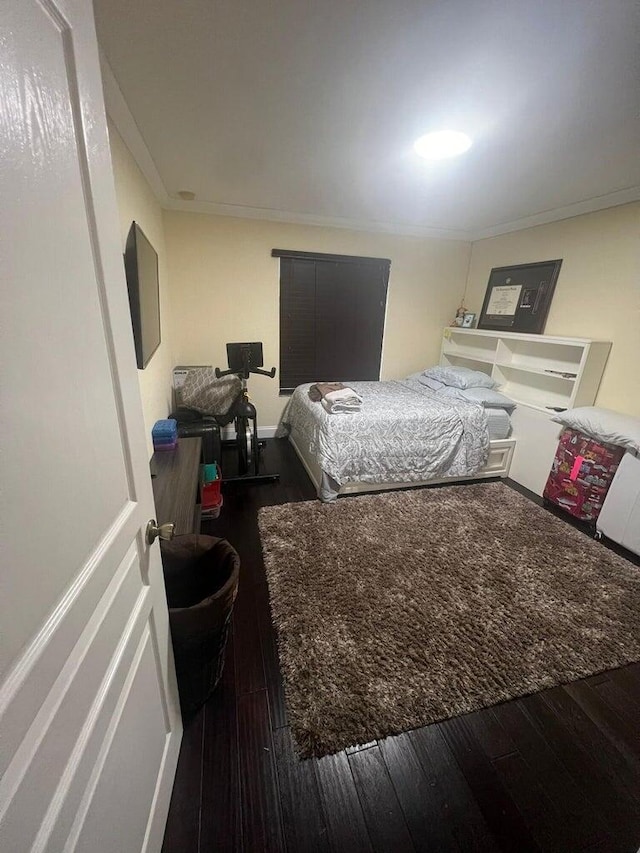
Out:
{"x": 211, "y": 497}
{"x": 210, "y": 493}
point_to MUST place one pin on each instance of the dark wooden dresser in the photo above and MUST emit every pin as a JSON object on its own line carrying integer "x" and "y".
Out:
{"x": 175, "y": 476}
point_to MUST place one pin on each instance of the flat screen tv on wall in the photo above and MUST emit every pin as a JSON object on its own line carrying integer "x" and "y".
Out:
{"x": 141, "y": 267}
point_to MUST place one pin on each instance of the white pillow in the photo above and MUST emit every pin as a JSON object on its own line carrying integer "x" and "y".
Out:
{"x": 486, "y": 397}
{"x": 489, "y": 398}
{"x": 460, "y": 377}
{"x": 603, "y": 425}
{"x": 428, "y": 382}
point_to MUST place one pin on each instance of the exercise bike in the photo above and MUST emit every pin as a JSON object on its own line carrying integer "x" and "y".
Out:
{"x": 244, "y": 359}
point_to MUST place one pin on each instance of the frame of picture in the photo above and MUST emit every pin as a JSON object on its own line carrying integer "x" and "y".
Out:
{"x": 518, "y": 297}
{"x": 468, "y": 320}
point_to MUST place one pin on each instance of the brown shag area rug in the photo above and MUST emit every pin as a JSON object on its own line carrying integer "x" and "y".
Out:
{"x": 400, "y": 609}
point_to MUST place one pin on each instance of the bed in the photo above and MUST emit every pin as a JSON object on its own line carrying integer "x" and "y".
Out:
{"x": 404, "y": 435}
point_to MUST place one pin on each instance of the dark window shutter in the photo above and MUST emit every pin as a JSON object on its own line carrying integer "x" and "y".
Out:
{"x": 297, "y": 322}
{"x": 332, "y": 312}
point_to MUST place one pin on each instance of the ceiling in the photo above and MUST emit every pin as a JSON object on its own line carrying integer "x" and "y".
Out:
{"x": 307, "y": 111}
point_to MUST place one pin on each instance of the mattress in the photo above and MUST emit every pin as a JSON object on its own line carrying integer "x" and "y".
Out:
{"x": 404, "y": 433}
{"x": 499, "y": 424}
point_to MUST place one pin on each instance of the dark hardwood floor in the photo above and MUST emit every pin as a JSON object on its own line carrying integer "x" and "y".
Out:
{"x": 556, "y": 771}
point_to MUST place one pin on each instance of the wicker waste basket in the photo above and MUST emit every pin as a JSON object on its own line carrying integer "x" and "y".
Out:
{"x": 201, "y": 578}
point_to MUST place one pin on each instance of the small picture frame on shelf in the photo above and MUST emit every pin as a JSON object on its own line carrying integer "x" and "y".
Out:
{"x": 468, "y": 321}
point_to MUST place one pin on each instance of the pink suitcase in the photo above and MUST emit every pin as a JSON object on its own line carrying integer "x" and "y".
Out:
{"x": 581, "y": 474}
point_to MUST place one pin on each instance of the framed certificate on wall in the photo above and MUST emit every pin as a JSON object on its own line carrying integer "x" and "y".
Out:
{"x": 518, "y": 297}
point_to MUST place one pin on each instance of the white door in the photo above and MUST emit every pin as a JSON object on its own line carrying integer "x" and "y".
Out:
{"x": 89, "y": 719}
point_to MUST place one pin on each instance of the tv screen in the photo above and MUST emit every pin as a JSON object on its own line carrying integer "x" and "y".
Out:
{"x": 141, "y": 268}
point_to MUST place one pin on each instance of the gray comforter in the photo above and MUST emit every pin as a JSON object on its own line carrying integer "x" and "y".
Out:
{"x": 404, "y": 433}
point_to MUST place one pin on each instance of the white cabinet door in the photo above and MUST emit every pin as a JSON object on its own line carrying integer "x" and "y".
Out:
{"x": 88, "y": 703}
{"x": 536, "y": 442}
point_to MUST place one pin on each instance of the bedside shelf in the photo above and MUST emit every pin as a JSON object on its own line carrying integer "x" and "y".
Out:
{"x": 528, "y": 367}
{"x": 459, "y": 355}
{"x": 543, "y": 371}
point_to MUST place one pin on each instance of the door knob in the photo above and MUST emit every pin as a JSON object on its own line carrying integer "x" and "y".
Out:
{"x": 162, "y": 531}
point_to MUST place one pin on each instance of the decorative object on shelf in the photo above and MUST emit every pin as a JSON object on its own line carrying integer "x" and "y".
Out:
{"x": 518, "y": 298}
{"x": 458, "y": 320}
{"x": 468, "y": 320}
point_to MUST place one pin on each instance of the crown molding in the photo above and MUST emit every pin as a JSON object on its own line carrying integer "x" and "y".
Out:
{"x": 121, "y": 116}
{"x": 589, "y": 205}
{"x": 368, "y": 225}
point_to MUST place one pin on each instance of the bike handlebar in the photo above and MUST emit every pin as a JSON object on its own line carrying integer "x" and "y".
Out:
{"x": 244, "y": 373}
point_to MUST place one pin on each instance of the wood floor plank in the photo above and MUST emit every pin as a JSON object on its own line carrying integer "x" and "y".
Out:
{"x": 621, "y": 815}
{"x": 385, "y": 819}
{"x": 624, "y": 774}
{"x": 457, "y": 802}
{"x": 544, "y": 817}
{"x": 496, "y": 804}
{"x": 618, "y": 700}
{"x": 220, "y": 822}
{"x": 581, "y": 815}
{"x": 182, "y": 832}
{"x": 495, "y": 739}
{"x": 250, "y": 674}
{"x": 296, "y": 484}
{"x": 247, "y": 542}
{"x": 624, "y": 735}
{"x": 303, "y": 816}
{"x": 259, "y": 791}
{"x": 628, "y": 679}
{"x": 270, "y": 659}
{"x": 610, "y": 846}
{"x": 418, "y": 798}
{"x": 344, "y": 816}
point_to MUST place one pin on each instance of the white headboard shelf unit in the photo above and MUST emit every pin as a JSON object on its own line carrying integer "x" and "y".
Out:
{"x": 539, "y": 371}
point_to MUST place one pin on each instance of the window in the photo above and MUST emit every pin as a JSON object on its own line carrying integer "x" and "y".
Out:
{"x": 332, "y": 311}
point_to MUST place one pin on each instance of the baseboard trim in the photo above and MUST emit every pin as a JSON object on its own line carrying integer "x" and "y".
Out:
{"x": 228, "y": 432}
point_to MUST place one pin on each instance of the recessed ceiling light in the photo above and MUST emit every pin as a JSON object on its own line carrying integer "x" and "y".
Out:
{"x": 186, "y": 195}
{"x": 442, "y": 144}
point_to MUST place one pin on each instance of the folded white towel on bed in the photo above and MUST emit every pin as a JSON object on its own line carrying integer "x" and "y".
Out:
{"x": 342, "y": 401}
{"x": 343, "y": 395}
{"x": 340, "y": 408}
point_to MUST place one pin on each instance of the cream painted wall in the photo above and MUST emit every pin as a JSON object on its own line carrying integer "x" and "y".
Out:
{"x": 225, "y": 287}
{"x": 136, "y": 201}
{"x": 598, "y": 290}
